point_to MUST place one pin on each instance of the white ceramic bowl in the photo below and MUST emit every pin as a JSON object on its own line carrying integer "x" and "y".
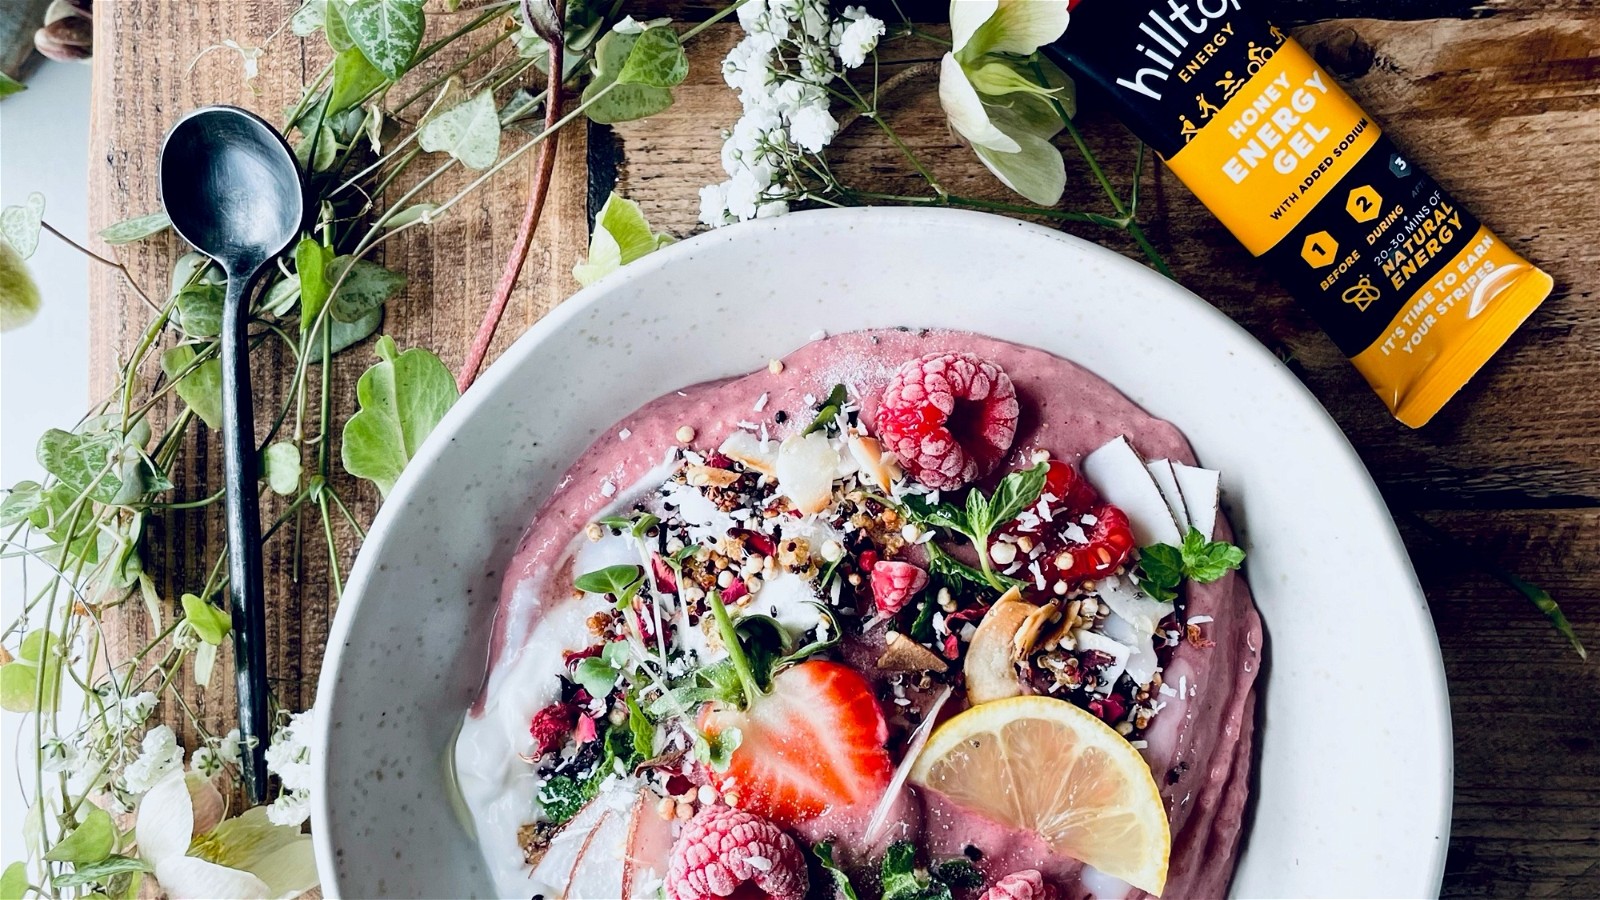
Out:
{"x": 1352, "y": 793}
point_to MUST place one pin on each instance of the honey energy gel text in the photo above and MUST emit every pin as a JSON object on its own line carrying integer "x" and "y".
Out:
{"x": 1410, "y": 285}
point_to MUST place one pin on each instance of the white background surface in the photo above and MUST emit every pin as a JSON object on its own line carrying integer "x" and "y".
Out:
{"x": 44, "y": 371}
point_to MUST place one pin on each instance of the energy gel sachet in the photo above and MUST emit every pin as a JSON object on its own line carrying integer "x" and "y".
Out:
{"x": 1409, "y": 284}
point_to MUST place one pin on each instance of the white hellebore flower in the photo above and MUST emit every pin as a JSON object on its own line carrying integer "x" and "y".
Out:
{"x": 996, "y": 108}
{"x": 244, "y": 858}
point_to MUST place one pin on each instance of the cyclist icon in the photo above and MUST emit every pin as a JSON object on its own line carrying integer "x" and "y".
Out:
{"x": 1258, "y": 56}
{"x": 1362, "y": 294}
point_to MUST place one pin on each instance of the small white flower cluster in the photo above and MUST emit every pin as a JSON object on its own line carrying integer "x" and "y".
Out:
{"x": 209, "y": 758}
{"x": 159, "y": 756}
{"x": 791, "y": 52}
{"x": 289, "y": 757}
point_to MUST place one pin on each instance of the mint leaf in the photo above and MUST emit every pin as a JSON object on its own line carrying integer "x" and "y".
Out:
{"x": 640, "y": 728}
{"x": 1161, "y": 571}
{"x": 829, "y": 410}
{"x": 402, "y": 398}
{"x": 902, "y": 881}
{"x": 1206, "y": 561}
{"x": 841, "y": 880}
{"x": 958, "y": 873}
{"x": 562, "y": 797}
{"x": 944, "y": 515}
{"x": 1016, "y": 492}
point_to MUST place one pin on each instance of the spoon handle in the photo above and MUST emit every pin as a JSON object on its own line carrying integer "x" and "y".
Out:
{"x": 245, "y": 593}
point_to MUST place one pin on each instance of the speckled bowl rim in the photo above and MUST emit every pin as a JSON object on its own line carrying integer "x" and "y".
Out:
{"x": 1426, "y": 867}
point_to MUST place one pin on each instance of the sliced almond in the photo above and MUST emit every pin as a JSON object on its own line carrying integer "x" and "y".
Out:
{"x": 990, "y": 669}
{"x": 703, "y": 476}
{"x": 905, "y": 655}
{"x": 880, "y": 467}
{"x": 746, "y": 449}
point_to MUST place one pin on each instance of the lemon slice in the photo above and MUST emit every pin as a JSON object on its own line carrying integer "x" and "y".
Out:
{"x": 1044, "y": 765}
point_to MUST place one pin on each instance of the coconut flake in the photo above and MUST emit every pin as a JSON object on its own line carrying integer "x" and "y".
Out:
{"x": 751, "y": 452}
{"x": 805, "y": 471}
{"x": 1161, "y": 471}
{"x": 1201, "y": 489}
{"x": 1118, "y": 651}
{"x": 1120, "y": 476}
{"x": 919, "y": 739}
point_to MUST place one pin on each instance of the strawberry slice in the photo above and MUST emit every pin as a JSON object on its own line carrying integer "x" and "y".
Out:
{"x": 813, "y": 742}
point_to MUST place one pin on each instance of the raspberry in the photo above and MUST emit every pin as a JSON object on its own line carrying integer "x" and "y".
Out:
{"x": 551, "y": 726}
{"x": 1074, "y": 494}
{"x": 949, "y": 418}
{"x": 1110, "y": 543}
{"x": 895, "y": 583}
{"x": 723, "y": 848}
{"x": 1027, "y": 884}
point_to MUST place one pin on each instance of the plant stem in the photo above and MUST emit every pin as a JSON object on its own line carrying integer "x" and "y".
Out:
{"x": 730, "y": 638}
{"x": 126, "y": 275}
{"x": 531, "y": 215}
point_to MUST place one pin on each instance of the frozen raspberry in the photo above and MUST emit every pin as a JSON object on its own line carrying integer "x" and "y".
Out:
{"x": 1074, "y": 494}
{"x": 949, "y": 418}
{"x": 551, "y": 726}
{"x": 723, "y": 849}
{"x": 1027, "y": 884}
{"x": 895, "y": 583}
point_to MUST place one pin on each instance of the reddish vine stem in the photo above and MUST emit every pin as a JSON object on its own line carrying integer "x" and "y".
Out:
{"x": 530, "y": 216}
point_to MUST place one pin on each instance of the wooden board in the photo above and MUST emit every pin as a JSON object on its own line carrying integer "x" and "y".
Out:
{"x": 1500, "y": 101}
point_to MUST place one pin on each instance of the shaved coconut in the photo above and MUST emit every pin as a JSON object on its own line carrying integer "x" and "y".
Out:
{"x": 919, "y": 739}
{"x": 1161, "y": 471}
{"x": 1142, "y": 663}
{"x": 1202, "y": 490}
{"x": 1132, "y": 604}
{"x": 1117, "y": 472}
{"x": 751, "y": 452}
{"x": 878, "y": 466}
{"x": 806, "y": 467}
{"x": 1118, "y": 651}
{"x": 991, "y": 666}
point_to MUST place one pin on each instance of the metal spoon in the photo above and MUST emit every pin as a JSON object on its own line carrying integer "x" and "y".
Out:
{"x": 232, "y": 188}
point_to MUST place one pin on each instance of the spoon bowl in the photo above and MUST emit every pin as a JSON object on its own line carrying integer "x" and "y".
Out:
{"x": 232, "y": 188}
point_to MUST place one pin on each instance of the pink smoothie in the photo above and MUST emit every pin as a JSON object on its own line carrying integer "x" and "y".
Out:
{"x": 1198, "y": 746}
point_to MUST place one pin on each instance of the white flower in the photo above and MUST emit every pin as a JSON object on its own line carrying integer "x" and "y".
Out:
{"x": 130, "y": 712}
{"x": 245, "y": 857}
{"x": 205, "y": 761}
{"x": 743, "y": 194}
{"x": 159, "y": 757}
{"x": 58, "y": 756}
{"x": 289, "y": 754}
{"x": 857, "y": 37}
{"x": 228, "y": 747}
{"x": 813, "y": 127}
{"x": 714, "y": 205}
{"x": 291, "y": 808}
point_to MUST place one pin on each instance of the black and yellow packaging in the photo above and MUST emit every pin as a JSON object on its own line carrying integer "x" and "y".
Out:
{"x": 1408, "y": 283}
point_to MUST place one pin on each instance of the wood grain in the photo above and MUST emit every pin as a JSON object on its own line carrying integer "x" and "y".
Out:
{"x": 1500, "y": 101}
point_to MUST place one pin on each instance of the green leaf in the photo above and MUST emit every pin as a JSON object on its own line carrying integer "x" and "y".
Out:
{"x": 387, "y": 31}
{"x": 621, "y": 235}
{"x": 613, "y": 101}
{"x": 716, "y": 750}
{"x": 37, "y": 658}
{"x": 281, "y": 297}
{"x": 1206, "y": 561}
{"x": 353, "y": 79}
{"x": 14, "y": 882}
{"x": 309, "y": 18}
{"x": 310, "y": 264}
{"x": 9, "y": 86}
{"x": 20, "y": 503}
{"x": 841, "y": 879}
{"x": 642, "y": 730}
{"x": 636, "y": 524}
{"x": 92, "y": 841}
{"x": 402, "y": 398}
{"x": 595, "y": 675}
{"x": 318, "y": 150}
{"x": 113, "y": 463}
{"x": 200, "y": 386}
{"x": 614, "y": 580}
{"x": 958, "y": 873}
{"x": 129, "y": 230}
{"x": 200, "y": 310}
{"x": 19, "y": 687}
{"x": 1015, "y": 493}
{"x": 280, "y": 465}
{"x": 339, "y": 38}
{"x": 366, "y": 287}
{"x": 20, "y": 225}
{"x": 656, "y": 59}
{"x": 101, "y": 871}
{"x": 468, "y": 131}
{"x": 343, "y": 335}
{"x": 998, "y": 78}
{"x": 210, "y": 622}
{"x": 410, "y": 214}
{"x": 829, "y": 410}
{"x": 899, "y": 877}
{"x": 19, "y": 296}
{"x": 561, "y": 797}
{"x": 1161, "y": 571}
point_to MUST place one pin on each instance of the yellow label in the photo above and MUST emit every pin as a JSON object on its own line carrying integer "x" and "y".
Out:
{"x": 1286, "y": 135}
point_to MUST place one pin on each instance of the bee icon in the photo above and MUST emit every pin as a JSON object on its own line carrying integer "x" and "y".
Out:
{"x": 1361, "y": 294}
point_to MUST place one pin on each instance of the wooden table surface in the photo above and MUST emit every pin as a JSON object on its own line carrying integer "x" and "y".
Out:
{"x": 1501, "y": 102}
